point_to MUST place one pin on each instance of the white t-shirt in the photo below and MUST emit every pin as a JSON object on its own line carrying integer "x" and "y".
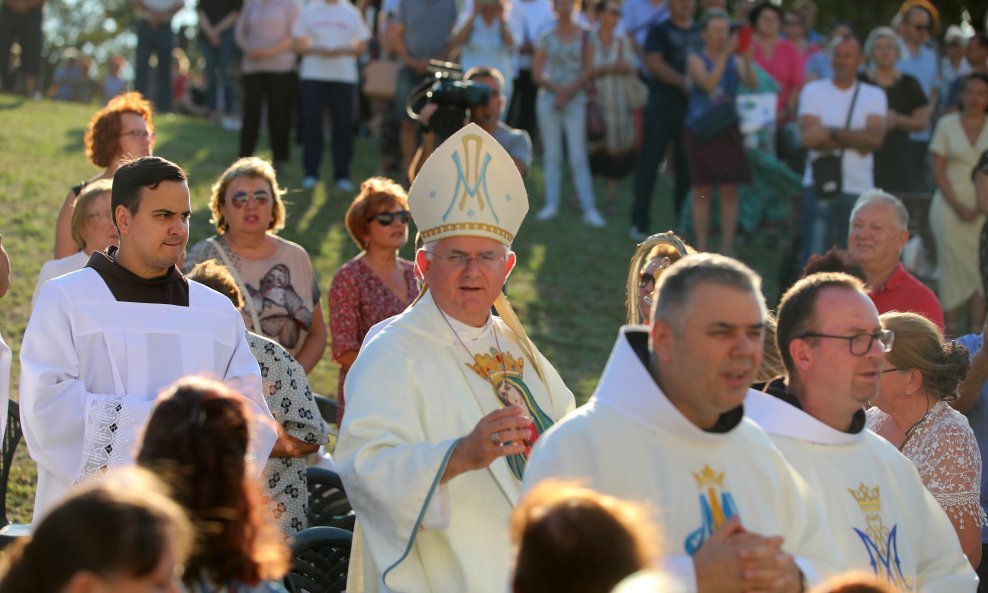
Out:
{"x": 330, "y": 25}
{"x": 831, "y": 104}
{"x": 159, "y": 6}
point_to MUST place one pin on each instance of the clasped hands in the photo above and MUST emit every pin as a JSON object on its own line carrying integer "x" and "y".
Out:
{"x": 734, "y": 560}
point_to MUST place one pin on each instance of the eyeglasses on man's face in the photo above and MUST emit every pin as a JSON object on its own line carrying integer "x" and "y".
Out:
{"x": 860, "y": 344}
{"x": 387, "y": 218}
{"x": 489, "y": 260}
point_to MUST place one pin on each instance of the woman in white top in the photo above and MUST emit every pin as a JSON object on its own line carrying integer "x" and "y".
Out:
{"x": 329, "y": 34}
{"x": 92, "y": 230}
{"x": 485, "y": 39}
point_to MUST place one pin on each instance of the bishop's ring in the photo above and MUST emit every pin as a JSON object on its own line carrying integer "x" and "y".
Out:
{"x": 495, "y": 438}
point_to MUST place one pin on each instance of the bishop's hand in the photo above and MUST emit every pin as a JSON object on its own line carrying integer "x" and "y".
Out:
{"x": 501, "y": 433}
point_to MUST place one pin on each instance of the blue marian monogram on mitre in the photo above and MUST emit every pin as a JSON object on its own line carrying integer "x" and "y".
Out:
{"x": 474, "y": 179}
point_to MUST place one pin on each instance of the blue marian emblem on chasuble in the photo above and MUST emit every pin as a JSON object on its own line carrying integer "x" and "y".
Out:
{"x": 471, "y": 175}
{"x": 716, "y": 507}
{"x": 879, "y": 541}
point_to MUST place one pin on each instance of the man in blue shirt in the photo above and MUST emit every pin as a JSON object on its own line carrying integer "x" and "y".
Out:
{"x": 919, "y": 61}
{"x": 666, "y": 48}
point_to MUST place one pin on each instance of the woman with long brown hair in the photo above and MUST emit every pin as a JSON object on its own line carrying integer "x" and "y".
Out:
{"x": 196, "y": 440}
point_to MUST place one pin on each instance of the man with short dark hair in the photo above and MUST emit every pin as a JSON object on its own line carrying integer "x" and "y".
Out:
{"x": 882, "y": 517}
{"x": 879, "y": 231}
{"x": 102, "y": 341}
{"x": 666, "y": 427}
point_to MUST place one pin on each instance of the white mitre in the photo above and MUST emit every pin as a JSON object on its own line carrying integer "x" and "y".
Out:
{"x": 469, "y": 186}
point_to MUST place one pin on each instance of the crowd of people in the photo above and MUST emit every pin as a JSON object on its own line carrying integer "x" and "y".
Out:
{"x": 726, "y": 447}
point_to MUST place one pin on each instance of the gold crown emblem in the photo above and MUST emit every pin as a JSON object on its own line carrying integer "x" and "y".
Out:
{"x": 868, "y": 499}
{"x": 708, "y": 477}
{"x": 494, "y": 366}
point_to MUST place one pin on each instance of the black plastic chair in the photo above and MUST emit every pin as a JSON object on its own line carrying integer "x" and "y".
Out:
{"x": 9, "y": 532}
{"x": 328, "y": 504}
{"x": 328, "y": 410}
{"x": 320, "y": 559}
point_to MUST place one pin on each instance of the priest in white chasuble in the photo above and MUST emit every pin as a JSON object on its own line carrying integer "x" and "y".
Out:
{"x": 883, "y": 518}
{"x": 667, "y": 427}
{"x": 104, "y": 340}
{"x": 444, "y": 404}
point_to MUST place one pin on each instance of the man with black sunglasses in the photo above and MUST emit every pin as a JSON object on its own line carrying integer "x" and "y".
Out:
{"x": 882, "y": 517}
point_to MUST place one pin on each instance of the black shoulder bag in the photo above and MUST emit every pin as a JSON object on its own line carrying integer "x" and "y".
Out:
{"x": 828, "y": 174}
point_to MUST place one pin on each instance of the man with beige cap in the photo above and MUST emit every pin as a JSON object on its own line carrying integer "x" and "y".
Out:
{"x": 444, "y": 403}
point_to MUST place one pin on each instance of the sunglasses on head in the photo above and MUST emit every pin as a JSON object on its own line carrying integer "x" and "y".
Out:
{"x": 386, "y": 218}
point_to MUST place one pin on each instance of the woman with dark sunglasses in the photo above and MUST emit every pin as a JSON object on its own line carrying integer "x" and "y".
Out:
{"x": 275, "y": 276}
{"x": 376, "y": 284}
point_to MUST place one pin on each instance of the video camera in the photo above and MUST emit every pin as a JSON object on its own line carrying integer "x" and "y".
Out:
{"x": 453, "y": 96}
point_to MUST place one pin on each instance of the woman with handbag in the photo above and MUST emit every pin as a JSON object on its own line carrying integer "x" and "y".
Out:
{"x": 711, "y": 137}
{"x": 614, "y": 74}
{"x": 275, "y": 276}
{"x": 561, "y": 68}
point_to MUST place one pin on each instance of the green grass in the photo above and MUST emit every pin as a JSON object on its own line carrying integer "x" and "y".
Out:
{"x": 568, "y": 288}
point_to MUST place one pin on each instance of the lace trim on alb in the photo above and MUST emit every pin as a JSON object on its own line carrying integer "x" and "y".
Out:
{"x": 104, "y": 440}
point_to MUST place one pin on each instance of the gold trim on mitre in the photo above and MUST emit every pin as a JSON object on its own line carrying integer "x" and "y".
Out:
{"x": 469, "y": 187}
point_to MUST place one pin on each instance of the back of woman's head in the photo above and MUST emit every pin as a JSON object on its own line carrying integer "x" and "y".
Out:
{"x": 119, "y": 527}
{"x": 919, "y": 345}
{"x": 571, "y": 539}
{"x": 197, "y": 440}
{"x": 856, "y": 582}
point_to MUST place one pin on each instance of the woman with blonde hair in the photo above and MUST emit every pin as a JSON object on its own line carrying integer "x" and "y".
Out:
{"x": 92, "y": 230}
{"x": 912, "y": 411}
{"x": 275, "y": 276}
{"x": 651, "y": 257}
{"x": 375, "y": 284}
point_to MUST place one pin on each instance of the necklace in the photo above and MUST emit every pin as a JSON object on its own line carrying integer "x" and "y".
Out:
{"x": 500, "y": 353}
{"x": 912, "y": 429}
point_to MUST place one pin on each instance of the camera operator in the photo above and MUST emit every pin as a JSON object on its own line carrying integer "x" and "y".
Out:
{"x": 517, "y": 143}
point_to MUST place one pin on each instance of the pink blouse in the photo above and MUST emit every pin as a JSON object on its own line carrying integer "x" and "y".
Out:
{"x": 785, "y": 67}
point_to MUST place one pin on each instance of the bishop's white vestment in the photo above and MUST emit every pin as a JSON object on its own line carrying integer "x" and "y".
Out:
{"x": 92, "y": 366}
{"x": 412, "y": 392}
{"x": 629, "y": 441}
{"x": 883, "y": 518}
